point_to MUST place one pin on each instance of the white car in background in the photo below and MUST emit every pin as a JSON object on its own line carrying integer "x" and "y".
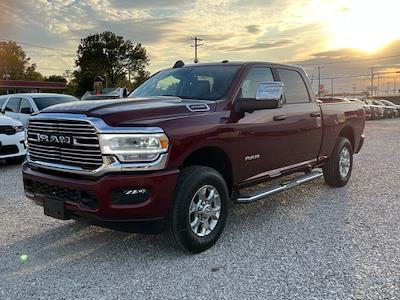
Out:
{"x": 21, "y": 106}
{"x": 12, "y": 140}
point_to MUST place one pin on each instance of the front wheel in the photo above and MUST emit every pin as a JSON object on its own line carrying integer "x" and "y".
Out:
{"x": 338, "y": 169}
{"x": 199, "y": 210}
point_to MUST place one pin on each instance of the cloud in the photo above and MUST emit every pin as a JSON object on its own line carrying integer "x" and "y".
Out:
{"x": 253, "y": 29}
{"x": 272, "y": 30}
{"x": 258, "y": 46}
{"x": 143, "y": 31}
{"x": 147, "y": 4}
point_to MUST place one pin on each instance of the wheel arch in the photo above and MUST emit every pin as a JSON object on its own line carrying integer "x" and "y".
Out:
{"x": 348, "y": 133}
{"x": 213, "y": 157}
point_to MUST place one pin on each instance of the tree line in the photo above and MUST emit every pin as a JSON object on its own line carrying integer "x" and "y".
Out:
{"x": 119, "y": 61}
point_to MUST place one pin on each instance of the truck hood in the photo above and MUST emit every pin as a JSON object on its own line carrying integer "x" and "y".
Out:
{"x": 120, "y": 112}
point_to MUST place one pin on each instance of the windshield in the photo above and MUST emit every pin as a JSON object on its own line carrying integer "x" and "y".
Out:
{"x": 202, "y": 83}
{"x": 43, "y": 102}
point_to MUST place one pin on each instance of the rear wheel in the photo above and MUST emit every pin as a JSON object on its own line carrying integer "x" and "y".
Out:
{"x": 338, "y": 169}
{"x": 199, "y": 211}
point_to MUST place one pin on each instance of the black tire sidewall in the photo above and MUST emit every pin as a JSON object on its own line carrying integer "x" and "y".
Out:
{"x": 190, "y": 182}
{"x": 343, "y": 142}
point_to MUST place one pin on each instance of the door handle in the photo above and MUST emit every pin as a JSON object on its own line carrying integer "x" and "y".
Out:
{"x": 280, "y": 118}
{"x": 316, "y": 114}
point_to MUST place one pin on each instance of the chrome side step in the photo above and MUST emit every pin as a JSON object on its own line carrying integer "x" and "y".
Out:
{"x": 279, "y": 188}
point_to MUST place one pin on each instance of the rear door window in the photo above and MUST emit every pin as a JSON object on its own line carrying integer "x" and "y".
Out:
{"x": 295, "y": 88}
{"x": 13, "y": 105}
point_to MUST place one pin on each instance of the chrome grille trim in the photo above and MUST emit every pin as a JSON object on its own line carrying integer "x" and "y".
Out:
{"x": 110, "y": 163}
{"x": 84, "y": 152}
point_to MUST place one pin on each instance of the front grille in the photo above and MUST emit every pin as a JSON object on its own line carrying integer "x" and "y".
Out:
{"x": 84, "y": 198}
{"x": 9, "y": 130}
{"x": 66, "y": 142}
{"x": 57, "y": 192}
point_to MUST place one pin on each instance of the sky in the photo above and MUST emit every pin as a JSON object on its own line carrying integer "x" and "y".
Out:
{"x": 343, "y": 36}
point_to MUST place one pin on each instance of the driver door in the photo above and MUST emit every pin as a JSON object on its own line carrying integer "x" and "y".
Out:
{"x": 263, "y": 138}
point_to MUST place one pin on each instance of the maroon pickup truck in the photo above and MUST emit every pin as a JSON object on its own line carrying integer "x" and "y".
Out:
{"x": 185, "y": 143}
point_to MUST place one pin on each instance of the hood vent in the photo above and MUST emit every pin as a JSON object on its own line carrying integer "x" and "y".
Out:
{"x": 198, "y": 107}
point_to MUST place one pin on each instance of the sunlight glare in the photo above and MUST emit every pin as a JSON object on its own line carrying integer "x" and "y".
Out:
{"x": 364, "y": 25}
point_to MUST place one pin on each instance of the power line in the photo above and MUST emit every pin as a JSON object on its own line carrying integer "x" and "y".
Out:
{"x": 350, "y": 61}
{"x": 38, "y": 46}
{"x": 359, "y": 76}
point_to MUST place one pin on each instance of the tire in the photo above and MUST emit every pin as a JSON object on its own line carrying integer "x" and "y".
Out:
{"x": 338, "y": 169}
{"x": 187, "y": 207}
{"x": 15, "y": 160}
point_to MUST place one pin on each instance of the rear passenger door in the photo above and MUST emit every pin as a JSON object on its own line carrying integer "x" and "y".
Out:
{"x": 12, "y": 108}
{"x": 303, "y": 134}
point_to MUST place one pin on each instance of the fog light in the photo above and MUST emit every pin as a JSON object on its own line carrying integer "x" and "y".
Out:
{"x": 130, "y": 196}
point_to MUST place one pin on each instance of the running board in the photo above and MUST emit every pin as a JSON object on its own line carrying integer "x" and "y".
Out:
{"x": 279, "y": 188}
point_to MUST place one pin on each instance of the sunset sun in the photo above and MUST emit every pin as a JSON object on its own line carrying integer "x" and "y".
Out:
{"x": 363, "y": 25}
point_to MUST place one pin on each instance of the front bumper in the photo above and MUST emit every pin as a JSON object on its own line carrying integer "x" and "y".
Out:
{"x": 93, "y": 200}
{"x": 12, "y": 145}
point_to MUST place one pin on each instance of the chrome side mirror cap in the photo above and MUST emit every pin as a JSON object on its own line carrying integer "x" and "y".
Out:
{"x": 271, "y": 91}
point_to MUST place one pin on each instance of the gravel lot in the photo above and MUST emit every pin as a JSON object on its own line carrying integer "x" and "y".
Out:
{"x": 310, "y": 242}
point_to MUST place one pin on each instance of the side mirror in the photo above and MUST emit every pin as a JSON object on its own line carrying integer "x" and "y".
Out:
{"x": 269, "y": 95}
{"x": 2, "y": 111}
{"x": 26, "y": 110}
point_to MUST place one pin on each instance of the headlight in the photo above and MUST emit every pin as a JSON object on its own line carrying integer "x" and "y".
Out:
{"x": 134, "y": 147}
{"x": 19, "y": 128}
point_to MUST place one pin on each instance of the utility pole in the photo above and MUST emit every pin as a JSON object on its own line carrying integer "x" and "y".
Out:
{"x": 394, "y": 85}
{"x": 372, "y": 81}
{"x": 196, "y": 45}
{"x": 377, "y": 89}
{"x": 319, "y": 81}
{"x": 332, "y": 86}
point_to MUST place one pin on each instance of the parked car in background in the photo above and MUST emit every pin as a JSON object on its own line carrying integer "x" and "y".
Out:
{"x": 377, "y": 111}
{"x": 12, "y": 140}
{"x": 21, "y": 106}
{"x": 333, "y": 100}
{"x": 391, "y": 104}
{"x": 110, "y": 93}
{"x": 367, "y": 108}
{"x": 389, "y": 111}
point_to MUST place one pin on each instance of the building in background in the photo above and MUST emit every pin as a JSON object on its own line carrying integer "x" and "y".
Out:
{"x": 23, "y": 86}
